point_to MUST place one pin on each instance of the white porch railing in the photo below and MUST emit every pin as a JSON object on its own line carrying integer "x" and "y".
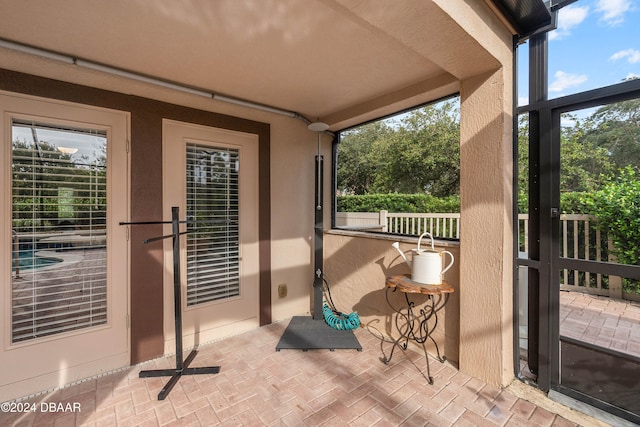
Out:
{"x": 579, "y": 240}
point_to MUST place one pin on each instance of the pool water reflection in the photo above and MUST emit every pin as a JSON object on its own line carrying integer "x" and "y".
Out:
{"x": 28, "y": 259}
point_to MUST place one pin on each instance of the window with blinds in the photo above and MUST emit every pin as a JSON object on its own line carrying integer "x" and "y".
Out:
{"x": 59, "y": 209}
{"x": 213, "y": 259}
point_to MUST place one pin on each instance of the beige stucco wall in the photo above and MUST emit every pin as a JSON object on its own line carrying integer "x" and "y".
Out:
{"x": 356, "y": 265}
{"x": 293, "y": 150}
{"x": 486, "y": 243}
{"x": 486, "y": 275}
{"x": 486, "y": 168}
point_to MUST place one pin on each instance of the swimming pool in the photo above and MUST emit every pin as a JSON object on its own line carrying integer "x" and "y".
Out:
{"x": 28, "y": 259}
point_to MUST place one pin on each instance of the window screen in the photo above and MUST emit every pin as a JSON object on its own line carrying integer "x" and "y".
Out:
{"x": 213, "y": 270}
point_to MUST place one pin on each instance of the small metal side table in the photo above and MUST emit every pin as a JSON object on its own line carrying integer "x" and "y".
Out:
{"x": 411, "y": 321}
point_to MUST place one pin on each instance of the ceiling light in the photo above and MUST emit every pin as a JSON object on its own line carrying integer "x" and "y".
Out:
{"x": 318, "y": 127}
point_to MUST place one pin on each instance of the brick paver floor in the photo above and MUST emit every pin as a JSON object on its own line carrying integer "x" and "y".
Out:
{"x": 601, "y": 321}
{"x": 258, "y": 386}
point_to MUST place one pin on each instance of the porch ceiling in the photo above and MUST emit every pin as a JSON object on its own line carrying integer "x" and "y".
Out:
{"x": 341, "y": 61}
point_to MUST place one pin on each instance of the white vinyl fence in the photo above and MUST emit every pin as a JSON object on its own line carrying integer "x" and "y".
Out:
{"x": 438, "y": 224}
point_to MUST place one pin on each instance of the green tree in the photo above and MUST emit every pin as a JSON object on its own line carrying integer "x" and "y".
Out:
{"x": 423, "y": 155}
{"x": 523, "y": 162}
{"x": 616, "y": 129}
{"x": 43, "y": 178}
{"x": 31, "y": 186}
{"x": 357, "y": 168}
{"x": 417, "y": 154}
{"x": 584, "y": 166}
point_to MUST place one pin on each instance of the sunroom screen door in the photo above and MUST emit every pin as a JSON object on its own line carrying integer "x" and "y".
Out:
{"x": 211, "y": 175}
{"x": 64, "y": 257}
{"x": 599, "y": 279}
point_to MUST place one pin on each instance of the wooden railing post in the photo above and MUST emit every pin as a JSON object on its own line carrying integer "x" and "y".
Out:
{"x": 615, "y": 282}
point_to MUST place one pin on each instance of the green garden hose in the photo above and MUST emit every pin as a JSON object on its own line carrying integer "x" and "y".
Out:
{"x": 340, "y": 321}
{"x": 336, "y": 319}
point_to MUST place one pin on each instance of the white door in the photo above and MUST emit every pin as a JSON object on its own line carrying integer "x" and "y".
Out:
{"x": 211, "y": 175}
{"x": 64, "y": 257}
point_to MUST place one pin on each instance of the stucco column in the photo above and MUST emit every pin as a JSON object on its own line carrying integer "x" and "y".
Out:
{"x": 486, "y": 239}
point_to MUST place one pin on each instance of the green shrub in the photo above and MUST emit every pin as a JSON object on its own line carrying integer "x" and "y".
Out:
{"x": 617, "y": 207}
{"x": 410, "y": 203}
{"x": 574, "y": 202}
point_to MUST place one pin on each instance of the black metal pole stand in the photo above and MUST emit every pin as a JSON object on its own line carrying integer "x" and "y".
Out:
{"x": 318, "y": 243}
{"x": 182, "y": 367}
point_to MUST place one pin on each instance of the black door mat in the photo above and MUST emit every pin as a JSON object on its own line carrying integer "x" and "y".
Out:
{"x": 305, "y": 333}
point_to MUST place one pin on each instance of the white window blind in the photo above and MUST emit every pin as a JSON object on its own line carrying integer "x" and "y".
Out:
{"x": 213, "y": 260}
{"x": 58, "y": 229}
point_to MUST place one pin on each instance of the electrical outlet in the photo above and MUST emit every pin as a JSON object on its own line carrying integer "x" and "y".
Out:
{"x": 282, "y": 290}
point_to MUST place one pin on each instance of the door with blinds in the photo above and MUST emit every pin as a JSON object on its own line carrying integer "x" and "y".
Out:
{"x": 64, "y": 257}
{"x": 211, "y": 175}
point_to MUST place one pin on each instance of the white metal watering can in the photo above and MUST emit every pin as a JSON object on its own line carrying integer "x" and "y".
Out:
{"x": 426, "y": 266}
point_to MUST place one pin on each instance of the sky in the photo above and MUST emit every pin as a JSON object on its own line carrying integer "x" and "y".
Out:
{"x": 597, "y": 43}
